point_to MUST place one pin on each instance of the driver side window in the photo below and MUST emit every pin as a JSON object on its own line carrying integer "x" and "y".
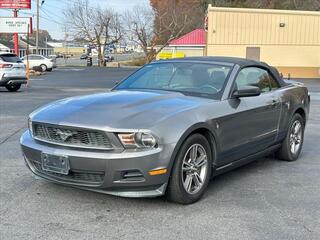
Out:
{"x": 254, "y": 76}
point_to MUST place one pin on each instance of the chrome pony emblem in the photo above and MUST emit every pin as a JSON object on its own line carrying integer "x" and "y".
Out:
{"x": 64, "y": 135}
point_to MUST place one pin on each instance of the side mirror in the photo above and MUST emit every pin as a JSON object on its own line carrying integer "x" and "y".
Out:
{"x": 246, "y": 91}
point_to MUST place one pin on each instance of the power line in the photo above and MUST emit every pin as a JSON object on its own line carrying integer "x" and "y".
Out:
{"x": 50, "y": 17}
{"x": 47, "y": 3}
{"x": 45, "y": 11}
{"x": 46, "y": 18}
{"x": 48, "y": 13}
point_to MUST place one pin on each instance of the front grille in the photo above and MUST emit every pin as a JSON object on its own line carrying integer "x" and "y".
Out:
{"x": 77, "y": 177}
{"x": 69, "y": 136}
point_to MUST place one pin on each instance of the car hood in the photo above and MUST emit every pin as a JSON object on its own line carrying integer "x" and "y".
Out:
{"x": 117, "y": 109}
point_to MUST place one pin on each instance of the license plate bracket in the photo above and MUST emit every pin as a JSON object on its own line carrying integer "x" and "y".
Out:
{"x": 55, "y": 163}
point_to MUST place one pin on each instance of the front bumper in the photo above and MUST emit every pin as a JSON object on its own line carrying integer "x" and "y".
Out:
{"x": 123, "y": 174}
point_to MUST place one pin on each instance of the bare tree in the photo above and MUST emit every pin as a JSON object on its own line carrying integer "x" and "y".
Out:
{"x": 177, "y": 10}
{"x": 97, "y": 26}
{"x": 146, "y": 26}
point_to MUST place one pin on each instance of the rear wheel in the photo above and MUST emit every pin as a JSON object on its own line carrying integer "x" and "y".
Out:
{"x": 43, "y": 67}
{"x": 191, "y": 172}
{"x": 13, "y": 88}
{"x": 292, "y": 144}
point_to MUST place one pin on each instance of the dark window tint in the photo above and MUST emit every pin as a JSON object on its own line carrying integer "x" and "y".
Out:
{"x": 34, "y": 57}
{"x": 37, "y": 58}
{"x": 257, "y": 77}
{"x": 10, "y": 58}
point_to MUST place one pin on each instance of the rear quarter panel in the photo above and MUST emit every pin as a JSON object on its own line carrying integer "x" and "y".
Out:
{"x": 293, "y": 97}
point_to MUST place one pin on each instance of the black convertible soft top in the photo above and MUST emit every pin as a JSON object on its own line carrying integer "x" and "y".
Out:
{"x": 242, "y": 62}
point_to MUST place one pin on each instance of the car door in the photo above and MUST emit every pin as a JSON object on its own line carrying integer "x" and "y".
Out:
{"x": 252, "y": 123}
{"x": 38, "y": 60}
{"x": 29, "y": 58}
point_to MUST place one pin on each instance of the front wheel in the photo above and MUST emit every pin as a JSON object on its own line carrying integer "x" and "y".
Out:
{"x": 191, "y": 172}
{"x": 13, "y": 88}
{"x": 292, "y": 144}
{"x": 43, "y": 67}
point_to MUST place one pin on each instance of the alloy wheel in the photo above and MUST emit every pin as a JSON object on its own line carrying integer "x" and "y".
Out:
{"x": 194, "y": 168}
{"x": 295, "y": 137}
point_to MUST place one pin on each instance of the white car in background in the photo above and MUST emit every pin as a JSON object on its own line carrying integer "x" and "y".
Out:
{"x": 12, "y": 72}
{"x": 46, "y": 64}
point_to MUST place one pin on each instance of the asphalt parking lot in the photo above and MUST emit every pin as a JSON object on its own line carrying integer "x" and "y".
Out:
{"x": 267, "y": 199}
{"x": 76, "y": 61}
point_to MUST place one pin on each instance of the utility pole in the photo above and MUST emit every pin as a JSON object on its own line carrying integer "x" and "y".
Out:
{"x": 65, "y": 40}
{"x": 65, "y": 44}
{"x": 15, "y": 36}
{"x": 38, "y": 26}
{"x": 27, "y": 53}
{"x": 47, "y": 46}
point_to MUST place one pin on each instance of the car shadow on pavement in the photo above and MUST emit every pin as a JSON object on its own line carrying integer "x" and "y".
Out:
{"x": 237, "y": 175}
{"x": 218, "y": 186}
{"x": 4, "y": 90}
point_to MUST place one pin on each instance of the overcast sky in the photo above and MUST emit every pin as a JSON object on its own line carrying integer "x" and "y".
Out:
{"x": 52, "y": 12}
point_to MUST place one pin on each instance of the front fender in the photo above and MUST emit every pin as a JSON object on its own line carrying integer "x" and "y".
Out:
{"x": 182, "y": 137}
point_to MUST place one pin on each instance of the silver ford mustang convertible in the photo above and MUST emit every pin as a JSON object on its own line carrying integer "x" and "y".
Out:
{"x": 168, "y": 128}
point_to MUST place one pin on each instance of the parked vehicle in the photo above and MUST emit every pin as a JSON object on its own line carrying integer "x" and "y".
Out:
{"x": 84, "y": 57}
{"x": 108, "y": 58}
{"x": 57, "y": 55}
{"x": 46, "y": 64}
{"x": 169, "y": 128}
{"x": 54, "y": 60}
{"x": 67, "y": 55}
{"x": 12, "y": 72}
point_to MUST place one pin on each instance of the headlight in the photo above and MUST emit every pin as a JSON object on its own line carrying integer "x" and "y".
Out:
{"x": 30, "y": 126}
{"x": 140, "y": 140}
{"x": 145, "y": 140}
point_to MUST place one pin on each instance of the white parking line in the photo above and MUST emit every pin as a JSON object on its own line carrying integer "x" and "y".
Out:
{"x": 37, "y": 79}
{"x": 69, "y": 69}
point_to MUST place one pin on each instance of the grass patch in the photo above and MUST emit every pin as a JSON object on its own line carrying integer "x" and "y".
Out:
{"x": 135, "y": 62}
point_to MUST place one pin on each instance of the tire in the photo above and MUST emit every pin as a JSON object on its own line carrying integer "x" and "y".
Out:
{"x": 43, "y": 67}
{"x": 179, "y": 190}
{"x": 295, "y": 137}
{"x": 13, "y": 88}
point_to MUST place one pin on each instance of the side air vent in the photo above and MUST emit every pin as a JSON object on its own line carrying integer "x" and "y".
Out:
{"x": 130, "y": 176}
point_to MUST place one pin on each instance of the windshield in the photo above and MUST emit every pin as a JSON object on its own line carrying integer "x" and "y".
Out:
{"x": 199, "y": 79}
{"x": 12, "y": 58}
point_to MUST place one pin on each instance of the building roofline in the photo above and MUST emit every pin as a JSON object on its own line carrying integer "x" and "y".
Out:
{"x": 186, "y": 45}
{"x": 196, "y": 37}
{"x": 266, "y": 11}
